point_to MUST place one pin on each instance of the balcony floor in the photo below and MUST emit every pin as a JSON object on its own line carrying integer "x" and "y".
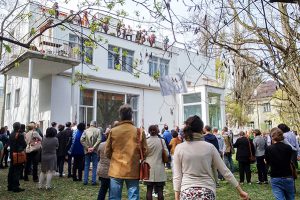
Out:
{"x": 43, "y": 65}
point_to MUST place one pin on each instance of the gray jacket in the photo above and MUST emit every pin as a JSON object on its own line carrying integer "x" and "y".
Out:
{"x": 259, "y": 146}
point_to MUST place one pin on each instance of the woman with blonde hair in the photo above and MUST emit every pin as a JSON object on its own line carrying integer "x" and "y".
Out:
{"x": 34, "y": 141}
{"x": 194, "y": 163}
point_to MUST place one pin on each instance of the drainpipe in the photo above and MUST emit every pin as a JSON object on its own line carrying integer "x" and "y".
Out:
{"x": 4, "y": 100}
{"x": 29, "y": 89}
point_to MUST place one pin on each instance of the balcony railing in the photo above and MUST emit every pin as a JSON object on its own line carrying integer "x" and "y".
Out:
{"x": 47, "y": 46}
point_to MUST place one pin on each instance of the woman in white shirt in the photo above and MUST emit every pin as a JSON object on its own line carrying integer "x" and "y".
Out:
{"x": 194, "y": 163}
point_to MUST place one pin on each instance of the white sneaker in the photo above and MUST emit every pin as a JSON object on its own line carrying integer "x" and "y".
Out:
{"x": 154, "y": 194}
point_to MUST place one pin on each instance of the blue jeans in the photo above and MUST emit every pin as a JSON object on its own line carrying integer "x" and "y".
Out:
{"x": 88, "y": 158}
{"x": 283, "y": 188}
{"x": 116, "y": 186}
{"x": 228, "y": 161}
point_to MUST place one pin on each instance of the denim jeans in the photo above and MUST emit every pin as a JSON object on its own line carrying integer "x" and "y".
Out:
{"x": 116, "y": 186}
{"x": 228, "y": 161}
{"x": 283, "y": 188}
{"x": 88, "y": 158}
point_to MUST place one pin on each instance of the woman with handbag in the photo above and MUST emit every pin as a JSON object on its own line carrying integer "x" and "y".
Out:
{"x": 244, "y": 152}
{"x": 157, "y": 156}
{"x": 278, "y": 157}
{"x": 34, "y": 144}
{"x": 194, "y": 164}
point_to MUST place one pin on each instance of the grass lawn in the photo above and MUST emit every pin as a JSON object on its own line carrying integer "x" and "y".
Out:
{"x": 67, "y": 189}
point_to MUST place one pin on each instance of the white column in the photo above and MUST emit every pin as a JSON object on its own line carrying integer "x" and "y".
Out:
{"x": 72, "y": 109}
{"x": 29, "y": 90}
{"x": 95, "y": 105}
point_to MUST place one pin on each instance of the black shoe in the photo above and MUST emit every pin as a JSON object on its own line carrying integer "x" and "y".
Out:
{"x": 60, "y": 175}
{"x": 75, "y": 179}
{"x": 9, "y": 189}
{"x": 69, "y": 176}
{"x": 18, "y": 190}
{"x": 36, "y": 180}
{"x": 26, "y": 179}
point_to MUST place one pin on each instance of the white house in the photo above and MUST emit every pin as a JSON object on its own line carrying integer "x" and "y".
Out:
{"x": 39, "y": 81}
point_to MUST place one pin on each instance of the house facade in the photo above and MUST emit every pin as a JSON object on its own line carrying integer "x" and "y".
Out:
{"x": 53, "y": 82}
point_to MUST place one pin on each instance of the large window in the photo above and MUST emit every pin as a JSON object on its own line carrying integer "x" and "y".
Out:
{"x": 268, "y": 124}
{"x": 86, "y": 105}
{"x": 17, "y": 98}
{"x": 267, "y": 107}
{"x": 107, "y": 106}
{"x": 214, "y": 110}
{"x": 8, "y": 95}
{"x": 114, "y": 59}
{"x": 191, "y": 105}
{"x": 77, "y": 47}
{"x": 158, "y": 65}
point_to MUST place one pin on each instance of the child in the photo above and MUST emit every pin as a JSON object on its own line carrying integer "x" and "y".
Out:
{"x": 173, "y": 143}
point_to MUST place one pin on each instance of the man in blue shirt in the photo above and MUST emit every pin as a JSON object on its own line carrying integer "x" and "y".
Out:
{"x": 168, "y": 137}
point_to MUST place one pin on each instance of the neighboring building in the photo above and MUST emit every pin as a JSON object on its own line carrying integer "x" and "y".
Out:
{"x": 46, "y": 72}
{"x": 261, "y": 110}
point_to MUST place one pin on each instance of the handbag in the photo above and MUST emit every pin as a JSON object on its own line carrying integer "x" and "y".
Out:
{"x": 34, "y": 145}
{"x": 252, "y": 158}
{"x": 144, "y": 166}
{"x": 165, "y": 157}
{"x": 18, "y": 157}
{"x": 294, "y": 171}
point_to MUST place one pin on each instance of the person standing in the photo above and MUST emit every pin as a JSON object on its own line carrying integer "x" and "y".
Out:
{"x": 278, "y": 157}
{"x": 229, "y": 150}
{"x": 209, "y": 137}
{"x": 17, "y": 144}
{"x": 157, "y": 179}
{"x": 33, "y": 140}
{"x": 77, "y": 152}
{"x": 68, "y": 132}
{"x": 290, "y": 138}
{"x": 193, "y": 179}
{"x": 168, "y": 137}
{"x": 4, "y": 139}
{"x": 123, "y": 150}
{"x": 62, "y": 149}
{"x": 244, "y": 146}
{"x": 102, "y": 170}
{"x": 90, "y": 140}
{"x": 49, "y": 160}
{"x": 260, "y": 145}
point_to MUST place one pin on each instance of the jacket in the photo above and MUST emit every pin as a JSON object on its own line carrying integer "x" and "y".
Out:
{"x": 123, "y": 151}
{"x": 76, "y": 148}
{"x": 228, "y": 144}
{"x": 260, "y": 145}
{"x": 16, "y": 144}
{"x": 221, "y": 143}
{"x": 212, "y": 139}
{"x": 69, "y": 134}
{"x": 103, "y": 164}
{"x": 62, "y": 140}
{"x": 243, "y": 149}
{"x": 154, "y": 158}
{"x": 91, "y": 138}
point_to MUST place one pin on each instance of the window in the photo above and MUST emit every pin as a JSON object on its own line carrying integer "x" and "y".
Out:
{"x": 86, "y": 107}
{"x": 17, "y": 97}
{"x": 191, "y": 105}
{"x": 127, "y": 60}
{"x": 133, "y": 101}
{"x": 251, "y": 125}
{"x": 153, "y": 66}
{"x": 164, "y": 67}
{"x": 158, "y": 65}
{"x": 268, "y": 124}
{"x": 8, "y": 101}
{"x": 267, "y": 107}
{"x": 1, "y": 92}
{"x": 250, "y": 110}
{"x": 115, "y": 61}
{"x": 75, "y": 44}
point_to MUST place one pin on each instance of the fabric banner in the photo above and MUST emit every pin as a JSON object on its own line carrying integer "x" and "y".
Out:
{"x": 174, "y": 84}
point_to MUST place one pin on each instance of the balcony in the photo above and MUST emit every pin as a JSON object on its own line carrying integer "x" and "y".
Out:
{"x": 49, "y": 56}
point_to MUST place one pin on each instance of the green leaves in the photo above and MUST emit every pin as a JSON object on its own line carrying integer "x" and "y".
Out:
{"x": 156, "y": 75}
{"x": 7, "y": 48}
{"x": 118, "y": 67}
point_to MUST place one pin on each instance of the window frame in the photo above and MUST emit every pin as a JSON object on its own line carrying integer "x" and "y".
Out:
{"x": 267, "y": 107}
{"x": 160, "y": 63}
{"x": 114, "y": 58}
{"x": 78, "y": 43}
{"x": 17, "y": 97}
{"x": 8, "y": 101}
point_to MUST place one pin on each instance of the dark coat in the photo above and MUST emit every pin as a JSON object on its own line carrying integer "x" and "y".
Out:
{"x": 243, "y": 149}
{"x": 16, "y": 144}
{"x": 62, "y": 140}
{"x": 210, "y": 138}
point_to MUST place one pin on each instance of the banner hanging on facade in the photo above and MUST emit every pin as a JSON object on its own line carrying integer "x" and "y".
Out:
{"x": 174, "y": 84}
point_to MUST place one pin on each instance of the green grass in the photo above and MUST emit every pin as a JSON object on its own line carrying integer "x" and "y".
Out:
{"x": 66, "y": 189}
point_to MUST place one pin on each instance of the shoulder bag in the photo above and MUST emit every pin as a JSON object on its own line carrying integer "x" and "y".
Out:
{"x": 252, "y": 158}
{"x": 144, "y": 166}
{"x": 34, "y": 144}
{"x": 165, "y": 157}
{"x": 18, "y": 157}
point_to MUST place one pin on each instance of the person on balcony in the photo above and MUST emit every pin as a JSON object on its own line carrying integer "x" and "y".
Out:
{"x": 105, "y": 25}
{"x": 118, "y": 29}
{"x": 152, "y": 39}
{"x": 138, "y": 36}
{"x": 55, "y": 8}
{"x": 129, "y": 33}
{"x": 166, "y": 43}
{"x": 123, "y": 30}
{"x": 85, "y": 20}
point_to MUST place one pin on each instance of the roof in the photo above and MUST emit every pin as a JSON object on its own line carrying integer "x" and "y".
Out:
{"x": 265, "y": 89}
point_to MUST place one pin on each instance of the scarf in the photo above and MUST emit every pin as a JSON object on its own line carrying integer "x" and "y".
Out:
{"x": 197, "y": 137}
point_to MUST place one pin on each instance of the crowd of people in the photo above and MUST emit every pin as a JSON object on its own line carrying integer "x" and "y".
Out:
{"x": 199, "y": 156}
